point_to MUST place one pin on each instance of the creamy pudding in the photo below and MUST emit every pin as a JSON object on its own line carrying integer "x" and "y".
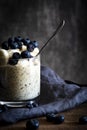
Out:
{"x": 19, "y": 72}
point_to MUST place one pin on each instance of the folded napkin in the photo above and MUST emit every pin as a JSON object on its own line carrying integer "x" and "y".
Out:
{"x": 56, "y": 96}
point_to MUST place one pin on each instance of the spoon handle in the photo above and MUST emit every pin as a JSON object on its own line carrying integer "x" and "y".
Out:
{"x": 58, "y": 29}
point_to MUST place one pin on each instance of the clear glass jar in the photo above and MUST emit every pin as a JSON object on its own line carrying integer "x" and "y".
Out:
{"x": 20, "y": 83}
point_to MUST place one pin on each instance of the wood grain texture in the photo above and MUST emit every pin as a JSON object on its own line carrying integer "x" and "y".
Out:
{"x": 71, "y": 121}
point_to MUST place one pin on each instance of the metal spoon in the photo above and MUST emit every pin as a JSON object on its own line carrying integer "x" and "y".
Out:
{"x": 58, "y": 29}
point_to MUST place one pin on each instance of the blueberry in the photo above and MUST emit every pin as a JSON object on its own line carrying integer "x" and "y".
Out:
{"x": 23, "y": 40}
{"x": 83, "y": 120}
{"x": 19, "y": 45}
{"x": 30, "y": 47}
{"x": 35, "y": 43}
{"x": 17, "y": 39}
{"x": 10, "y": 40}
{"x": 32, "y": 124}
{"x": 26, "y": 41}
{"x": 14, "y": 45}
{"x": 16, "y": 55}
{"x": 26, "y": 54}
{"x": 12, "y": 61}
{"x": 35, "y": 104}
{"x": 5, "y": 45}
{"x": 29, "y": 105}
{"x": 59, "y": 119}
{"x": 50, "y": 117}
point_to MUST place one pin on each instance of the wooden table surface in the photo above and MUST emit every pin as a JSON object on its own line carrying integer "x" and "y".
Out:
{"x": 71, "y": 121}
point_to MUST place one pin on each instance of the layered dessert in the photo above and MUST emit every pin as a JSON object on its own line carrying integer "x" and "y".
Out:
{"x": 19, "y": 69}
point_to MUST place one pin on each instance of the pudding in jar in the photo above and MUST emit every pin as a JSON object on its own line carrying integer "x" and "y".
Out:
{"x": 19, "y": 70}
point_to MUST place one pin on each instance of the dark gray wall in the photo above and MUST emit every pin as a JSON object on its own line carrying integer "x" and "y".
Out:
{"x": 37, "y": 19}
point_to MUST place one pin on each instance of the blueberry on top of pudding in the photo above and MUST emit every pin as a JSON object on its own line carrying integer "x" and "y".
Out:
{"x": 18, "y": 48}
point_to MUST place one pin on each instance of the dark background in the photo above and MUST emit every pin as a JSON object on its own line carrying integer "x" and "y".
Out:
{"x": 37, "y": 19}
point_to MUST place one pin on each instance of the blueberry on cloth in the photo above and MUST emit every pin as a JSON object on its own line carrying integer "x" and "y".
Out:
{"x": 30, "y": 47}
{"x": 59, "y": 119}
{"x": 5, "y": 45}
{"x": 12, "y": 61}
{"x": 17, "y": 39}
{"x": 83, "y": 120}
{"x": 16, "y": 55}
{"x": 29, "y": 106}
{"x": 50, "y": 117}
{"x": 14, "y": 45}
{"x": 26, "y": 41}
{"x": 26, "y": 54}
{"x": 35, "y": 104}
{"x": 32, "y": 124}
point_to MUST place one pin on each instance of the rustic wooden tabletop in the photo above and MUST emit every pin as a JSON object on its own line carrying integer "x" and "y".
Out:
{"x": 71, "y": 121}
